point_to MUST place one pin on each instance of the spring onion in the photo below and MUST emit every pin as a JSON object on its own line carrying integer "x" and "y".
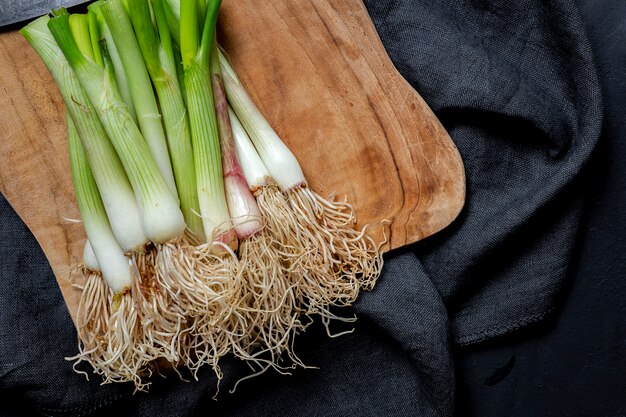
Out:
{"x": 161, "y": 217}
{"x": 156, "y": 47}
{"x": 196, "y": 51}
{"x": 100, "y": 32}
{"x": 114, "y": 265}
{"x": 253, "y": 167}
{"x": 267, "y": 302}
{"x": 116, "y": 192}
{"x": 148, "y": 116}
{"x": 105, "y": 334}
{"x": 242, "y": 206}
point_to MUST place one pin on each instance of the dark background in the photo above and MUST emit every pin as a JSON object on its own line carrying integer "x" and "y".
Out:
{"x": 574, "y": 364}
{"x": 570, "y": 362}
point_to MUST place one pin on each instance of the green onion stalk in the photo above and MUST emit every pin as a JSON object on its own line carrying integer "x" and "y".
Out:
{"x": 331, "y": 261}
{"x": 106, "y": 318}
{"x": 197, "y": 294}
{"x": 117, "y": 268}
{"x": 215, "y": 262}
{"x": 101, "y": 338}
{"x": 109, "y": 174}
{"x": 195, "y": 51}
{"x": 148, "y": 115}
{"x": 172, "y": 14}
{"x": 158, "y": 53}
{"x": 265, "y": 297}
{"x": 162, "y": 321}
{"x": 101, "y": 33}
{"x": 165, "y": 316}
{"x": 161, "y": 218}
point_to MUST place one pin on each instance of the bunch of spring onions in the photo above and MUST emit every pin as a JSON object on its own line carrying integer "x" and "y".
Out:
{"x": 203, "y": 237}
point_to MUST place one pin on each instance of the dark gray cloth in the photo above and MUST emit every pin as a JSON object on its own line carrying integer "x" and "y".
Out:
{"x": 36, "y": 331}
{"x": 515, "y": 85}
{"x": 573, "y": 364}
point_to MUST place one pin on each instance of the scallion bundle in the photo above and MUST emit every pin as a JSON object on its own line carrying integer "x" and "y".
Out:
{"x": 203, "y": 237}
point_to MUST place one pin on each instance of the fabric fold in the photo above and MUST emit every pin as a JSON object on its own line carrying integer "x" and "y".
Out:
{"x": 515, "y": 85}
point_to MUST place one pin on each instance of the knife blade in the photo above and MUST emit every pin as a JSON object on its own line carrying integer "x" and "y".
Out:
{"x": 14, "y": 11}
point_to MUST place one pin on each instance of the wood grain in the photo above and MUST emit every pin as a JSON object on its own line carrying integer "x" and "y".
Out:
{"x": 319, "y": 73}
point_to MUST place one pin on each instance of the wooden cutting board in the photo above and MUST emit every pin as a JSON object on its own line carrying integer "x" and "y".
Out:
{"x": 319, "y": 73}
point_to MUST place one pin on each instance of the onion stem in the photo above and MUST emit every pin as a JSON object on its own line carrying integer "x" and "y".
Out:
{"x": 115, "y": 266}
{"x": 104, "y": 34}
{"x": 278, "y": 159}
{"x": 113, "y": 184}
{"x": 172, "y": 14}
{"x": 148, "y": 116}
{"x": 161, "y": 217}
{"x": 158, "y": 53}
{"x": 203, "y": 120}
{"x": 243, "y": 208}
{"x": 253, "y": 167}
